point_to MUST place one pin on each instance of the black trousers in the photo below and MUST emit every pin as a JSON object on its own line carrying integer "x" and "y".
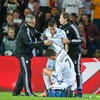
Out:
{"x": 24, "y": 78}
{"x": 77, "y": 63}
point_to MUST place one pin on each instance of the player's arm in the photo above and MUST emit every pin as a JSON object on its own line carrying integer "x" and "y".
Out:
{"x": 65, "y": 44}
{"x": 80, "y": 14}
{"x": 59, "y": 72}
{"x": 73, "y": 41}
{"x": 77, "y": 37}
{"x": 43, "y": 36}
{"x": 63, "y": 7}
{"x": 66, "y": 47}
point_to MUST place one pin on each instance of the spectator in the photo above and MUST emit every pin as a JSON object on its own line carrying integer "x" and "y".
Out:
{"x": 95, "y": 6}
{"x": 10, "y": 41}
{"x": 16, "y": 17}
{"x": 87, "y": 45}
{"x": 73, "y": 6}
{"x": 9, "y": 22}
{"x": 9, "y": 19}
{"x": 26, "y": 12}
{"x": 11, "y": 5}
{"x": 87, "y": 8}
{"x": 81, "y": 28}
{"x": 38, "y": 15}
{"x": 30, "y": 5}
{"x": 23, "y": 6}
{"x": 92, "y": 33}
{"x": 46, "y": 20}
{"x": 44, "y": 6}
{"x": 74, "y": 18}
{"x": 58, "y": 3}
{"x": 26, "y": 4}
{"x": 55, "y": 15}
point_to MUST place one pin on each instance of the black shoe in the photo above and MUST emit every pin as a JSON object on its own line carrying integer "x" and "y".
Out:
{"x": 78, "y": 95}
{"x": 17, "y": 94}
{"x": 34, "y": 95}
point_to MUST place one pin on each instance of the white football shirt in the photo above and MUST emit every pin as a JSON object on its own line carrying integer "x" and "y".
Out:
{"x": 64, "y": 68}
{"x": 72, "y": 6}
{"x": 57, "y": 39}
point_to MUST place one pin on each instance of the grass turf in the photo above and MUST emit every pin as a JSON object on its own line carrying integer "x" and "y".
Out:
{"x": 8, "y": 96}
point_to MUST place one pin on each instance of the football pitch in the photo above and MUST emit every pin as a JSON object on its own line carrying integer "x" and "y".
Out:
{"x": 8, "y": 96}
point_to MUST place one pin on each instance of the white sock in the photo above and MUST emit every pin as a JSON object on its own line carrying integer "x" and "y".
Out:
{"x": 46, "y": 81}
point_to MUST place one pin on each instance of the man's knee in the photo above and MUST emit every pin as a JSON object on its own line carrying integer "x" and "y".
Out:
{"x": 44, "y": 71}
{"x": 47, "y": 71}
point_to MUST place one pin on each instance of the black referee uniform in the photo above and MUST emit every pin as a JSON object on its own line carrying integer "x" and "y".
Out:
{"x": 75, "y": 49}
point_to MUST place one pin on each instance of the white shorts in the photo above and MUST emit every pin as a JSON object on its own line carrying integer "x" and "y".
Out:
{"x": 56, "y": 85}
{"x": 53, "y": 77}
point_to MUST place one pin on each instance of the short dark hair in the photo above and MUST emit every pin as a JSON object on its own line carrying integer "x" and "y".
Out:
{"x": 52, "y": 23}
{"x": 74, "y": 15}
{"x": 16, "y": 10}
{"x": 66, "y": 15}
{"x": 50, "y": 52}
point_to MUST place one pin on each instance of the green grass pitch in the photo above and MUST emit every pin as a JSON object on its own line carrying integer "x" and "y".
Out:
{"x": 8, "y": 96}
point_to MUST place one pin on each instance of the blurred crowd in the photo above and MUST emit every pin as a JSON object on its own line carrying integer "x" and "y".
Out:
{"x": 84, "y": 13}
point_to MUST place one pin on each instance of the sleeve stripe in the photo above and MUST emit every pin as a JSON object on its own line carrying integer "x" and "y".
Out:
{"x": 76, "y": 30}
{"x": 28, "y": 33}
{"x": 74, "y": 40}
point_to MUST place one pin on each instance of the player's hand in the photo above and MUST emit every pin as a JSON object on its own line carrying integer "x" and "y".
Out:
{"x": 47, "y": 42}
{"x": 66, "y": 40}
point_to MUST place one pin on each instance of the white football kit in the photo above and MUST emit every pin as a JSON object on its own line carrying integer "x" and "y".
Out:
{"x": 57, "y": 39}
{"x": 57, "y": 43}
{"x": 64, "y": 71}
